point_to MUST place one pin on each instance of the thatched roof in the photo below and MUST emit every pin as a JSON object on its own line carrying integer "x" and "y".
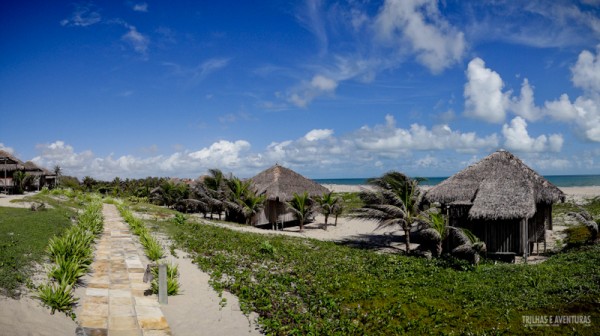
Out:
{"x": 500, "y": 186}
{"x": 280, "y": 183}
{"x": 9, "y": 162}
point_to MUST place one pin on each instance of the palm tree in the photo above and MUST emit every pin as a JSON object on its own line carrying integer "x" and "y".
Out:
{"x": 215, "y": 183}
{"x": 301, "y": 207}
{"x": 252, "y": 204}
{"x": 327, "y": 203}
{"x": 237, "y": 191}
{"x": 394, "y": 202}
{"x": 57, "y": 172}
{"x": 19, "y": 177}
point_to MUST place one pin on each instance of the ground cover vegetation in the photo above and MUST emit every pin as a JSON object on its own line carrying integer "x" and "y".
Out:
{"x": 71, "y": 255}
{"x": 586, "y": 216}
{"x": 302, "y": 286}
{"x": 24, "y": 235}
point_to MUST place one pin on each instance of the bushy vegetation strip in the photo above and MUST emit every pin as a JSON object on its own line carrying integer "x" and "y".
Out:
{"x": 71, "y": 254}
{"x": 153, "y": 249}
{"x": 301, "y": 286}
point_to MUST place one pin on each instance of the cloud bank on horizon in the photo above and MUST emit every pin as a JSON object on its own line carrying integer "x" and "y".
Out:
{"x": 331, "y": 89}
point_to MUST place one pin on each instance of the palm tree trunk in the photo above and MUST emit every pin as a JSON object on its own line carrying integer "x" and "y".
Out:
{"x": 407, "y": 236}
{"x": 301, "y": 225}
{"x": 326, "y": 217}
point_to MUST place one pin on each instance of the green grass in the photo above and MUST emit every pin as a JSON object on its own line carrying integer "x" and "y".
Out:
{"x": 301, "y": 286}
{"x": 24, "y": 235}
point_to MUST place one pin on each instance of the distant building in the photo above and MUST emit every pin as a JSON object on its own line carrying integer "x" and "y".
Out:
{"x": 9, "y": 164}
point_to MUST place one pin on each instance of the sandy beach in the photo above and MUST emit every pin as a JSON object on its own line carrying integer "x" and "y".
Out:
{"x": 577, "y": 194}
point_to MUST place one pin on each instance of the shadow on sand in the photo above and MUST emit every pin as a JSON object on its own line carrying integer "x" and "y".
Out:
{"x": 383, "y": 242}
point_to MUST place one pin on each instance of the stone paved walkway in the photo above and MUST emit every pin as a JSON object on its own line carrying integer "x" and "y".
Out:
{"x": 114, "y": 303}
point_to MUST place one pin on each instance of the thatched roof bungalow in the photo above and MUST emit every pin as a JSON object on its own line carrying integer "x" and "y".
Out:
{"x": 501, "y": 200}
{"x": 9, "y": 164}
{"x": 279, "y": 184}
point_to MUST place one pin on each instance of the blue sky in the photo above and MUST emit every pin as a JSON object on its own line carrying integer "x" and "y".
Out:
{"x": 329, "y": 89}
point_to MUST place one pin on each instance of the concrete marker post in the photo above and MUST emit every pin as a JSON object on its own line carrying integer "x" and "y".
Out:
{"x": 162, "y": 284}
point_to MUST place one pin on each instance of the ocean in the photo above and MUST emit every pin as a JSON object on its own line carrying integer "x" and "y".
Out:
{"x": 557, "y": 180}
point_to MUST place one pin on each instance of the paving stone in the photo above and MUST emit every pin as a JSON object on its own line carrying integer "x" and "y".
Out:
{"x": 131, "y": 332}
{"x": 121, "y": 301}
{"x": 96, "y": 292}
{"x": 96, "y": 299}
{"x": 119, "y": 286}
{"x": 148, "y": 311}
{"x": 97, "y": 285}
{"x": 147, "y": 301}
{"x": 165, "y": 332}
{"x": 95, "y": 331}
{"x": 119, "y": 293}
{"x": 122, "y": 322}
{"x": 122, "y": 310}
{"x": 95, "y": 309}
{"x": 153, "y": 322}
{"x": 90, "y": 321}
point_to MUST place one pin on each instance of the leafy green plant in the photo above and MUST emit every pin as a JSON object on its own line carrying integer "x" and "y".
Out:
{"x": 267, "y": 248}
{"x": 173, "y": 287}
{"x": 153, "y": 249}
{"x": 58, "y": 296}
{"x": 179, "y": 219}
{"x": 67, "y": 270}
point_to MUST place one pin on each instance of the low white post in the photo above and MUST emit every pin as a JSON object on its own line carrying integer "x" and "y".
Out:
{"x": 162, "y": 284}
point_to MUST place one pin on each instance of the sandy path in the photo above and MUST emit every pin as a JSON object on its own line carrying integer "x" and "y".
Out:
{"x": 198, "y": 310}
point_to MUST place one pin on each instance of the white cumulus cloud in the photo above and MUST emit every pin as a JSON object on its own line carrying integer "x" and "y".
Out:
{"x": 517, "y": 138}
{"x": 483, "y": 94}
{"x": 584, "y": 112}
{"x": 586, "y": 72}
{"x": 524, "y": 105}
{"x": 318, "y": 134}
{"x": 389, "y": 138}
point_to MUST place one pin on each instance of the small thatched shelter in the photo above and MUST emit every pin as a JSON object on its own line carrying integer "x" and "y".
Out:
{"x": 279, "y": 184}
{"x": 501, "y": 200}
{"x": 8, "y": 165}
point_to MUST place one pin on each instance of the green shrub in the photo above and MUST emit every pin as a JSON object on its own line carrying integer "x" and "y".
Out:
{"x": 577, "y": 235}
{"x": 58, "y": 296}
{"x": 153, "y": 249}
{"x": 67, "y": 270}
{"x": 267, "y": 248}
{"x": 172, "y": 280}
{"x": 179, "y": 219}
